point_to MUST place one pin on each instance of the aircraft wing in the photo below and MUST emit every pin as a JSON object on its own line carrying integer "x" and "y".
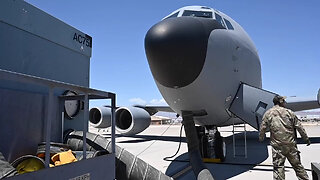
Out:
{"x": 296, "y": 104}
{"x": 154, "y": 109}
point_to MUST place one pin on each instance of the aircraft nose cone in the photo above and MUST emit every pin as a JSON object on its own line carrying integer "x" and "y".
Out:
{"x": 176, "y": 49}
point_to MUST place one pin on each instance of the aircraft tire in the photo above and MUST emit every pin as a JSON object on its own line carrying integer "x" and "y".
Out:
{"x": 220, "y": 147}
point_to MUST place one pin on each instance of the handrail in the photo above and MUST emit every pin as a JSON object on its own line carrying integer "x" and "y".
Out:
{"x": 88, "y": 93}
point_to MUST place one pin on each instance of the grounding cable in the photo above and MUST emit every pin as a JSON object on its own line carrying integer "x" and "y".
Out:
{"x": 180, "y": 140}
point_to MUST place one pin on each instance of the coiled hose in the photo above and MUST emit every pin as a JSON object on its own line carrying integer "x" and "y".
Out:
{"x": 128, "y": 166}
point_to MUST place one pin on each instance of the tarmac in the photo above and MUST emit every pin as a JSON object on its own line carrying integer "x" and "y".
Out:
{"x": 160, "y": 141}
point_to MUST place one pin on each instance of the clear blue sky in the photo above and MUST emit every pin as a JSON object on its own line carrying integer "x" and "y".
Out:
{"x": 286, "y": 34}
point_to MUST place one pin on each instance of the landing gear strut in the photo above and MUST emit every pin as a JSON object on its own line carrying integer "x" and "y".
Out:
{"x": 198, "y": 167}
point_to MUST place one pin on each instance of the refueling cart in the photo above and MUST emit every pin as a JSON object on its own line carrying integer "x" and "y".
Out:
{"x": 44, "y": 92}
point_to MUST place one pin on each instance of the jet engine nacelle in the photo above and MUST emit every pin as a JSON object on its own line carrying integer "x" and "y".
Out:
{"x": 129, "y": 120}
{"x": 100, "y": 117}
{"x": 132, "y": 120}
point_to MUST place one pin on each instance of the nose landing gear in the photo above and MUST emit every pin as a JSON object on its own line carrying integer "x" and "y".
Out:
{"x": 199, "y": 168}
{"x": 212, "y": 144}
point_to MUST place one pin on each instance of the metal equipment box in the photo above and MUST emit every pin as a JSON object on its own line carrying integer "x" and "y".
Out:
{"x": 37, "y": 44}
{"x": 41, "y": 57}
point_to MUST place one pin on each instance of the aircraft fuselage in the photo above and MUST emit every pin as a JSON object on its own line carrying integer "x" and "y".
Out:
{"x": 206, "y": 76}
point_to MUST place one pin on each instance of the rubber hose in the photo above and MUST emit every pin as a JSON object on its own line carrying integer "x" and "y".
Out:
{"x": 128, "y": 166}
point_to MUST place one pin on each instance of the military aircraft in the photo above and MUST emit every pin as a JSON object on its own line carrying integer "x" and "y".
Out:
{"x": 202, "y": 61}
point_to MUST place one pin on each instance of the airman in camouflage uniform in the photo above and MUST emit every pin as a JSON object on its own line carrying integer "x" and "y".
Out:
{"x": 283, "y": 124}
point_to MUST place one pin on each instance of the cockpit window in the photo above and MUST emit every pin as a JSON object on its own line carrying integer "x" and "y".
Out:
{"x": 219, "y": 19}
{"x": 204, "y": 14}
{"x": 173, "y": 15}
{"x": 229, "y": 25}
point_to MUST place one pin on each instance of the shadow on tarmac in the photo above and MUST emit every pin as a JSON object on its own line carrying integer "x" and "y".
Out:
{"x": 313, "y": 140}
{"x": 257, "y": 152}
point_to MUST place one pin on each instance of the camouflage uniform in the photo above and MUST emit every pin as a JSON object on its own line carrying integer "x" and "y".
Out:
{"x": 282, "y": 123}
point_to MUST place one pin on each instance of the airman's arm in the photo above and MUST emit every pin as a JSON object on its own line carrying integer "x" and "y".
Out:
{"x": 263, "y": 127}
{"x": 301, "y": 130}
